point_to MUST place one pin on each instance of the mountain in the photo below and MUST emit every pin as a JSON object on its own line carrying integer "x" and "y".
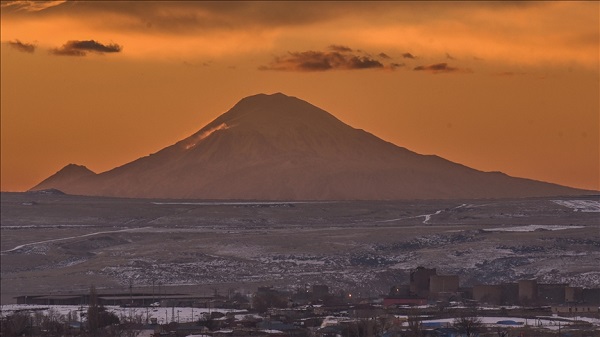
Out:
{"x": 67, "y": 176}
{"x": 277, "y": 147}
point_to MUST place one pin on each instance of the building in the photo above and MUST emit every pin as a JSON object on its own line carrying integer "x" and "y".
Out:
{"x": 575, "y": 310}
{"x": 442, "y": 284}
{"x": 123, "y": 299}
{"x": 400, "y": 291}
{"x": 487, "y": 293}
{"x": 551, "y": 293}
{"x": 53, "y": 299}
{"x": 498, "y": 294}
{"x": 419, "y": 281}
{"x": 392, "y": 301}
{"x": 527, "y": 291}
{"x": 573, "y": 294}
{"x": 590, "y": 296}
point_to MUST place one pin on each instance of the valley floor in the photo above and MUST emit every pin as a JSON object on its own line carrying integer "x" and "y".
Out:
{"x": 59, "y": 243}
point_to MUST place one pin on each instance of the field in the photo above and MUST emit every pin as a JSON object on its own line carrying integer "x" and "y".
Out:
{"x": 56, "y": 244}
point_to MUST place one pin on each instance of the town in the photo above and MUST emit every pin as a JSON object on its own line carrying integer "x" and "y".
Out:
{"x": 430, "y": 305}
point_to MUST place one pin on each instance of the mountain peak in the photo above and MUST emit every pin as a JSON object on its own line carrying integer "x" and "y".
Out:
{"x": 279, "y": 147}
{"x": 272, "y": 112}
{"x": 67, "y": 175}
{"x": 264, "y": 100}
{"x": 272, "y": 123}
{"x": 74, "y": 168}
{"x": 267, "y": 97}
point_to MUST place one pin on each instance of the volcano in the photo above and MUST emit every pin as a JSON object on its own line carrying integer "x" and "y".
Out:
{"x": 277, "y": 147}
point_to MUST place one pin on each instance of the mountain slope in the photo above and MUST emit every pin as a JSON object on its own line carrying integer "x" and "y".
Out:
{"x": 275, "y": 147}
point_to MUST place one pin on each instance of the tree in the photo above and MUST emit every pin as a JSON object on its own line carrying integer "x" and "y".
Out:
{"x": 53, "y": 323}
{"x": 97, "y": 315}
{"x": 468, "y": 324}
{"x": 14, "y": 325}
{"x": 265, "y": 299}
{"x": 502, "y": 332}
{"x": 93, "y": 312}
{"x": 414, "y": 324}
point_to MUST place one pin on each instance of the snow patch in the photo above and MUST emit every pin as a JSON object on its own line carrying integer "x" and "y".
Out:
{"x": 199, "y": 137}
{"x": 531, "y": 228}
{"x": 163, "y": 314}
{"x": 580, "y": 205}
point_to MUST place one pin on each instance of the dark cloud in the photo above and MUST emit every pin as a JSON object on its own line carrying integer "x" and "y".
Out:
{"x": 408, "y": 56}
{"x": 438, "y": 68}
{"x": 450, "y": 57}
{"x": 321, "y": 61}
{"x": 30, "y": 6}
{"x": 81, "y": 48}
{"x": 396, "y": 65}
{"x": 384, "y": 56}
{"x": 341, "y": 49}
{"x": 20, "y": 46}
{"x": 193, "y": 17}
{"x": 91, "y": 45}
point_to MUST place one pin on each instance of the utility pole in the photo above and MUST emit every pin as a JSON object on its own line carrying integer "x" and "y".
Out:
{"x": 159, "y": 285}
{"x": 130, "y": 291}
{"x": 130, "y": 298}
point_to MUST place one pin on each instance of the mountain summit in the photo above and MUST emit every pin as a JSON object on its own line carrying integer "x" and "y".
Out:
{"x": 277, "y": 147}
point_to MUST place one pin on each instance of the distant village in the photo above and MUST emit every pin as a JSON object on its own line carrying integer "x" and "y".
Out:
{"x": 430, "y": 305}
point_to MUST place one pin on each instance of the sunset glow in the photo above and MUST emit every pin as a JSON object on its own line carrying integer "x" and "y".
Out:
{"x": 511, "y": 87}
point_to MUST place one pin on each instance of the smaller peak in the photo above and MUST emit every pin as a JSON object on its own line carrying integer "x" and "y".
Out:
{"x": 75, "y": 168}
{"x": 65, "y": 176}
{"x": 71, "y": 165}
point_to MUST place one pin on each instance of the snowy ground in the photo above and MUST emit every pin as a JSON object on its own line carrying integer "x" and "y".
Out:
{"x": 552, "y": 323}
{"x": 580, "y": 205}
{"x": 187, "y": 314}
{"x": 162, "y": 314}
{"x": 531, "y": 228}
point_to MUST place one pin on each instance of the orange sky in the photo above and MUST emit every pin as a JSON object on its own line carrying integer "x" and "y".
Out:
{"x": 511, "y": 87}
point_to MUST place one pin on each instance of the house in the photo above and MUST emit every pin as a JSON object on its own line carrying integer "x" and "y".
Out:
{"x": 395, "y": 301}
{"x": 575, "y": 309}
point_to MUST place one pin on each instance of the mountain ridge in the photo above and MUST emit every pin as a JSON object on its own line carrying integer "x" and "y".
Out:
{"x": 273, "y": 147}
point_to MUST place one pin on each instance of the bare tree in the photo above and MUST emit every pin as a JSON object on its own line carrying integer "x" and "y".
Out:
{"x": 415, "y": 328}
{"x": 468, "y": 324}
{"x": 14, "y": 325}
{"x": 502, "y": 332}
{"x": 93, "y": 312}
{"x": 53, "y": 323}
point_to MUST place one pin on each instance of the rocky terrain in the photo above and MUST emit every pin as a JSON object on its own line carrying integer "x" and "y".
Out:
{"x": 54, "y": 243}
